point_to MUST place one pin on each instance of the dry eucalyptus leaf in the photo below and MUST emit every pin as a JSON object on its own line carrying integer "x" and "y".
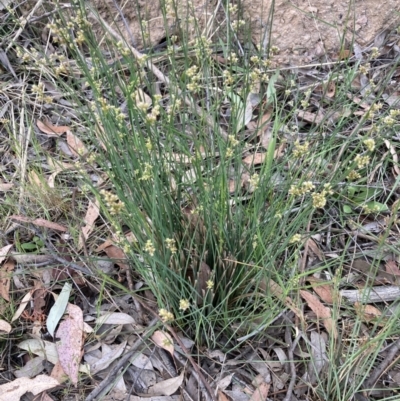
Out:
{"x": 108, "y": 358}
{"x": 13, "y": 391}
{"x": 44, "y": 349}
{"x": 31, "y": 368}
{"x": 4, "y": 252}
{"x": 324, "y": 291}
{"x": 255, "y": 158}
{"x": 70, "y": 333}
{"x": 50, "y": 129}
{"x": 392, "y": 268}
{"x": 322, "y": 312}
{"x": 261, "y": 392}
{"x": 92, "y": 214}
{"x": 5, "y": 326}
{"x": 166, "y": 387}
{"x": 367, "y": 313}
{"x": 76, "y": 146}
{"x": 115, "y": 318}
{"x": 163, "y": 340}
{"x": 39, "y": 222}
{"x": 22, "y": 305}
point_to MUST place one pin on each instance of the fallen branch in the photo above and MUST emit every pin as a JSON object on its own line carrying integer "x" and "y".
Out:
{"x": 371, "y": 295}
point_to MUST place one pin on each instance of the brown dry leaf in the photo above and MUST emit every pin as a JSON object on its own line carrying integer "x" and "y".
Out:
{"x": 277, "y": 291}
{"x": 58, "y": 373}
{"x": 163, "y": 340}
{"x": 261, "y": 392}
{"x": 76, "y": 146}
{"x": 322, "y": 312}
{"x": 38, "y": 299}
{"x": 92, "y": 214}
{"x": 344, "y": 54}
{"x": 324, "y": 291}
{"x": 314, "y": 248}
{"x": 392, "y": 268}
{"x": 5, "y": 278}
{"x": 113, "y": 252}
{"x": 358, "y": 101}
{"x": 222, "y": 396}
{"x": 50, "y": 129}
{"x": 266, "y": 117}
{"x": 14, "y": 390}
{"x": 40, "y": 223}
{"x": 330, "y": 89}
{"x": 166, "y": 387}
{"x": 310, "y": 117}
{"x": 69, "y": 347}
{"x": 255, "y": 158}
{"x": 104, "y": 245}
{"x": 4, "y": 252}
{"x": 368, "y": 313}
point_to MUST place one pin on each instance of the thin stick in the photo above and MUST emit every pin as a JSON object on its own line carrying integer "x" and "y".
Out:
{"x": 293, "y": 374}
{"x": 380, "y": 369}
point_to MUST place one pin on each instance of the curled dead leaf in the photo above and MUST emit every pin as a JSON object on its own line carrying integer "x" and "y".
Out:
{"x": 39, "y": 222}
{"x": 368, "y": 313}
{"x": 52, "y": 130}
{"x": 76, "y": 146}
{"x": 255, "y": 158}
{"x": 322, "y": 312}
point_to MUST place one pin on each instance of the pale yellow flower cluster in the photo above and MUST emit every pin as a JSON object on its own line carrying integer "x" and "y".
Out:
{"x": 171, "y": 245}
{"x": 149, "y": 248}
{"x": 166, "y": 316}
{"x": 114, "y": 205}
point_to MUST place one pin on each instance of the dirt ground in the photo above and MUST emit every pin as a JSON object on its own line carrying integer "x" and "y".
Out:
{"x": 303, "y": 30}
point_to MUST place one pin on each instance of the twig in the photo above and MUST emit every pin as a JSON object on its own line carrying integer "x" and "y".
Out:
{"x": 163, "y": 78}
{"x": 379, "y": 370}
{"x": 292, "y": 346}
{"x": 53, "y": 252}
{"x": 114, "y": 371}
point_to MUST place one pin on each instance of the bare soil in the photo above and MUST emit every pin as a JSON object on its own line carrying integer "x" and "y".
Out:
{"x": 303, "y": 30}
